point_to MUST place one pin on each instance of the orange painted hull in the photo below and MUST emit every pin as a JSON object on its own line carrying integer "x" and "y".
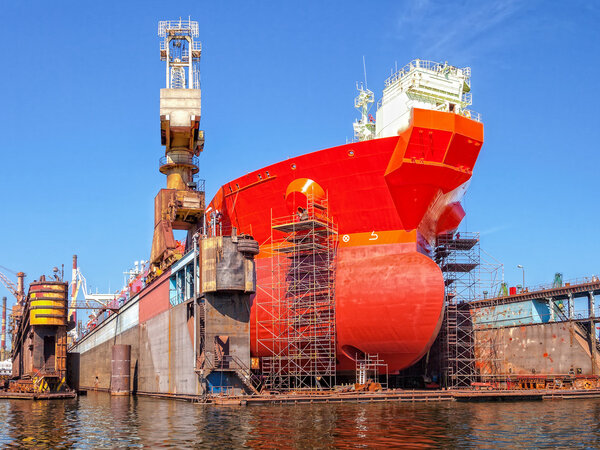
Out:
{"x": 389, "y": 199}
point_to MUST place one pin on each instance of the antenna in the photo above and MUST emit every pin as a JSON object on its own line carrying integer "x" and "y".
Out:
{"x": 365, "y": 71}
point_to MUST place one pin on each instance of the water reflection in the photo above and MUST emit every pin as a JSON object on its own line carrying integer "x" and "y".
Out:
{"x": 101, "y": 421}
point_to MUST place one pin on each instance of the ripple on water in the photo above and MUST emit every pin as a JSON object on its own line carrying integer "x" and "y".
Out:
{"x": 99, "y": 421}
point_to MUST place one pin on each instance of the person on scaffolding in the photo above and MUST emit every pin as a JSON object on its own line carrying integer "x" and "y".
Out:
{"x": 302, "y": 213}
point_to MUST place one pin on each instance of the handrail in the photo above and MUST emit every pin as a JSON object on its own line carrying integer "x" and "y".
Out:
{"x": 224, "y": 362}
{"x": 178, "y": 25}
{"x": 565, "y": 284}
{"x": 179, "y": 159}
{"x": 427, "y": 65}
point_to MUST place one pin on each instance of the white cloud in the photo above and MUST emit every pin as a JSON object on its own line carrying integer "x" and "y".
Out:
{"x": 453, "y": 29}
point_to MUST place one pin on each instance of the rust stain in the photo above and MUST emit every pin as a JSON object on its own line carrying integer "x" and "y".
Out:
{"x": 546, "y": 356}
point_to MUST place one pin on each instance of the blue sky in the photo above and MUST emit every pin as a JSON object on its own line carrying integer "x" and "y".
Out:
{"x": 80, "y": 127}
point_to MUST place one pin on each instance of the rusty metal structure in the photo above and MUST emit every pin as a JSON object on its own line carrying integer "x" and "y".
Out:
{"x": 15, "y": 316}
{"x": 39, "y": 340}
{"x": 181, "y": 205}
{"x": 223, "y": 313}
{"x": 296, "y": 324}
{"x": 486, "y": 334}
{"x": 569, "y": 355}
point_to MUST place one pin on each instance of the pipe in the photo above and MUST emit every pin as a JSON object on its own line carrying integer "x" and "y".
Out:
{"x": 73, "y": 312}
{"x": 195, "y": 300}
{"x": 20, "y": 287}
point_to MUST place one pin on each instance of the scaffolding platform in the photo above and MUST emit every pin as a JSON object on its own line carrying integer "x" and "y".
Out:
{"x": 446, "y": 243}
{"x": 302, "y": 247}
{"x": 459, "y": 267}
{"x": 315, "y": 225}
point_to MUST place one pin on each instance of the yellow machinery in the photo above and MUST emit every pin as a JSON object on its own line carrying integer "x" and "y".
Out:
{"x": 40, "y": 340}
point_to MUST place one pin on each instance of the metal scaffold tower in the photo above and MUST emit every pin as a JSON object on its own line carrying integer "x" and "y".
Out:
{"x": 467, "y": 277}
{"x": 371, "y": 368}
{"x": 296, "y": 314}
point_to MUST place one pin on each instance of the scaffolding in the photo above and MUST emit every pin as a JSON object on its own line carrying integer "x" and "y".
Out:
{"x": 296, "y": 313}
{"x": 467, "y": 276}
{"x": 371, "y": 368}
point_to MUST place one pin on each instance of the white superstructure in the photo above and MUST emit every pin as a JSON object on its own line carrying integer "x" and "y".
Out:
{"x": 426, "y": 85}
{"x": 6, "y": 367}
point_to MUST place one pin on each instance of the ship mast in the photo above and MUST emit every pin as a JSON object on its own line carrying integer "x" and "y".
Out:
{"x": 364, "y": 128}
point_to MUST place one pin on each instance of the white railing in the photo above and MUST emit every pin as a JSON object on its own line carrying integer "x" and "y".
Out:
{"x": 190, "y": 26}
{"x": 473, "y": 115}
{"x": 427, "y": 65}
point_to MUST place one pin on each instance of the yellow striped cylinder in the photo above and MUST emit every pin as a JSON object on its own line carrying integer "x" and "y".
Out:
{"x": 48, "y": 303}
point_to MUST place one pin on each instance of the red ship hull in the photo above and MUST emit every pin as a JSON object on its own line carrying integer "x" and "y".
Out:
{"x": 389, "y": 197}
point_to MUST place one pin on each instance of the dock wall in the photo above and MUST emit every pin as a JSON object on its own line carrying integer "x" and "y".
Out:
{"x": 161, "y": 353}
{"x": 557, "y": 348}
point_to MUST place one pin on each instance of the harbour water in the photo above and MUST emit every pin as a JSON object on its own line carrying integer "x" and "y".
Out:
{"x": 99, "y": 421}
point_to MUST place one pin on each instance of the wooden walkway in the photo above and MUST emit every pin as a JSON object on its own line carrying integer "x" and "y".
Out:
{"x": 391, "y": 395}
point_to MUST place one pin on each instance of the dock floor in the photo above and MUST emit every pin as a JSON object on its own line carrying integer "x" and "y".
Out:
{"x": 390, "y": 395}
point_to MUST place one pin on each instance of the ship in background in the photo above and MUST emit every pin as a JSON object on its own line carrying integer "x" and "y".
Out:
{"x": 389, "y": 194}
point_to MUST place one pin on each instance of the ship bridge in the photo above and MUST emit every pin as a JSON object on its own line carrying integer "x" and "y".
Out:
{"x": 425, "y": 85}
